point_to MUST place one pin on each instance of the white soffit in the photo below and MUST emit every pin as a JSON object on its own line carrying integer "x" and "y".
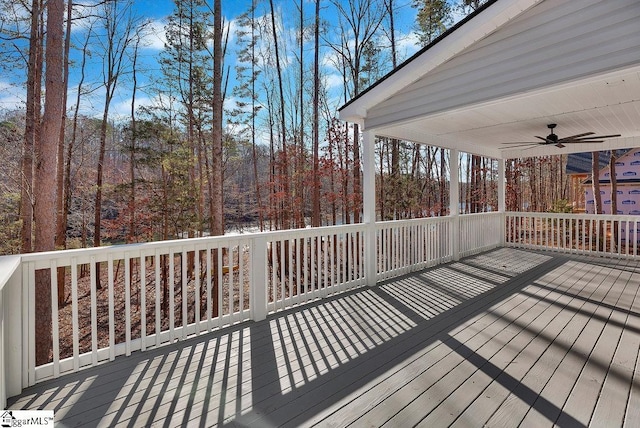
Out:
{"x": 608, "y": 104}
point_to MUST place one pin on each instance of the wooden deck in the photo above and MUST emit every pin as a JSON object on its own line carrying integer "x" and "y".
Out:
{"x": 505, "y": 338}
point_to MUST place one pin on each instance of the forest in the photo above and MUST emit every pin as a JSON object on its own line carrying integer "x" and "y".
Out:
{"x": 239, "y": 127}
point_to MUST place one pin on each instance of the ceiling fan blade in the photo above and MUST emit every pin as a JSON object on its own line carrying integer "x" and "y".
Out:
{"x": 573, "y": 137}
{"x": 543, "y": 139}
{"x": 582, "y": 141}
{"x": 560, "y": 145}
{"x": 520, "y": 145}
{"x": 595, "y": 137}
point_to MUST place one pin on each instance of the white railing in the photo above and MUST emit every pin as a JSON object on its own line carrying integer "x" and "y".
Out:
{"x": 121, "y": 299}
{"x": 480, "y": 232}
{"x": 112, "y": 301}
{"x": 610, "y": 235}
{"x": 306, "y": 264}
{"x": 405, "y": 246}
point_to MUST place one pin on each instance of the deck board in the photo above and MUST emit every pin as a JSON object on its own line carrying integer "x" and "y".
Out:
{"x": 502, "y": 338}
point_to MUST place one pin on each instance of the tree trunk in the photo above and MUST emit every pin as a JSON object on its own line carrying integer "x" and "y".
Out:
{"x": 614, "y": 183}
{"x": 32, "y": 126}
{"x": 597, "y": 199}
{"x": 315, "y": 212}
{"x": 614, "y": 196}
{"x": 595, "y": 172}
{"x": 61, "y": 223}
{"x": 217, "y": 211}
{"x": 131, "y": 236}
{"x": 443, "y": 175}
{"x": 217, "y": 215}
{"x": 46, "y": 173}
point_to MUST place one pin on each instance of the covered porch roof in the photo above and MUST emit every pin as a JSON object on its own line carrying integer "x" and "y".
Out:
{"x": 510, "y": 69}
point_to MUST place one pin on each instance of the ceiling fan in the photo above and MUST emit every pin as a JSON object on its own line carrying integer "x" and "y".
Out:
{"x": 553, "y": 139}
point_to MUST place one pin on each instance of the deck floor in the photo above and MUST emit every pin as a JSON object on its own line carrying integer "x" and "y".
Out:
{"x": 506, "y": 338}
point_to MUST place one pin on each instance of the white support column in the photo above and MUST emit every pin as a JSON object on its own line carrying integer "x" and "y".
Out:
{"x": 369, "y": 206}
{"x": 454, "y": 201}
{"x": 502, "y": 199}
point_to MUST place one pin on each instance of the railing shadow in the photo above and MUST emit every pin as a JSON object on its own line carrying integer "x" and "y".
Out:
{"x": 297, "y": 366}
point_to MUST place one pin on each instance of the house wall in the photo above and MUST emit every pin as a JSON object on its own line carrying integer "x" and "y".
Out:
{"x": 628, "y": 199}
{"x": 627, "y": 168}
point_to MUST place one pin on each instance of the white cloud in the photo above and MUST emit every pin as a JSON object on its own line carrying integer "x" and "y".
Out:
{"x": 333, "y": 81}
{"x": 407, "y": 44}
{"x": 11, "y": 97}
{"x": 121, "y": 110}
{"x": 155, "y": 36}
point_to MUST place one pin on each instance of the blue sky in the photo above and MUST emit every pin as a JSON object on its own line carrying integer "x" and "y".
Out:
{"x": 11, "y": 83}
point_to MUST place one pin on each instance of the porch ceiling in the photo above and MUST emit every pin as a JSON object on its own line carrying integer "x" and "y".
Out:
{"x": 607, "y": 104}
{"x": 510, "y": 70}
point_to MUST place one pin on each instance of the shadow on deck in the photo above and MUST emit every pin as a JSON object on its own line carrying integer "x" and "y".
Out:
{"x": 502, "y": 338}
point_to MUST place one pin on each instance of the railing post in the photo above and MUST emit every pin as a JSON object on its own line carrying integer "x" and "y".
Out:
{"x": 258, "y": 298}
{"x": 12, "y": 334}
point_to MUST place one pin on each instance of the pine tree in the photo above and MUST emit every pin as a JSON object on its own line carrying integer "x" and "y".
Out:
{"x": 46, "y": 172}
{"x": 247, "y": 106}
{"x": 433, "y": 19}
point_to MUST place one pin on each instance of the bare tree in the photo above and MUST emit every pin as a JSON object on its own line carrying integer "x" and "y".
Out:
{"x": 614, "y": 182}
{"x": 358, "y": 22}
{"x": 284, "y": 164}
{"x": 60, "y": 223}
{"x": 595, "y": 181}
{"x": 46, "y": 171}
{"x": 217, "y": 200}
{"x": 74, "y": 133}
{"x": 118, "y": 25}
{"x": 32, "y": 123}
{"x": 315, "y": 212}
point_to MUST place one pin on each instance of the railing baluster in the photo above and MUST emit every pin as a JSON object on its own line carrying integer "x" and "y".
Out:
{"x": 94, "y": 311}
{"x": 184, "y": 290}
{"x": 241, "y": 279}
{"x": 112, "y": 322}
{"x": 172, "y": 297}
{"x": 292, "y": 264}
{"x": 220, "y": 250}
{"x": 55, "y": 329}
{"x": 29, "y": 345}
{"x": 231, "y": 285}
{"x": 196, "y": 290}
{"x": 143, "y": 302}
{"x": 75, "y": 326}
{"x": 635, "y": 238}
{"x": 158, "y": 321}
{"x": 127, "y": 304}
{"x": 209, "y": 268}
